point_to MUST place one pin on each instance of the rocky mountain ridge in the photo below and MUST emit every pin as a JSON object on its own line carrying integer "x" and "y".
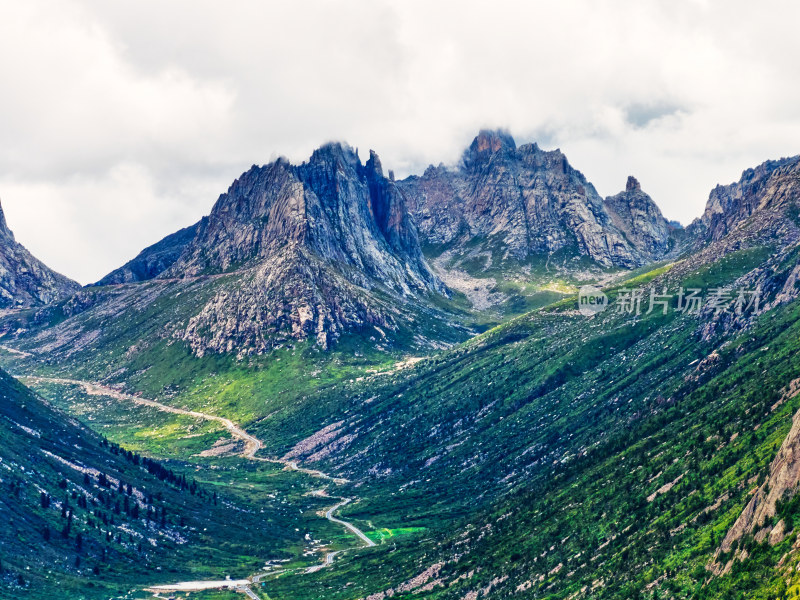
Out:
{"x": 521, "y": 202}
{"x": 332, "y": 205}
{"x": 24, "y": 280}
{"x": 527, "y": 201}
{"x": 760, "y": 211}
{"x": 770, "y": 187}
{"x": 153, "y": 260}
{"x": 331, "y": 246}
{"x": 289, "y": 253}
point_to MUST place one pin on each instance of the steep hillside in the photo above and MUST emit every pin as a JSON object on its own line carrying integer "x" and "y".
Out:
{"x": 24, "y": 280}
{"x": 614, "y": 470}
{"x": 566, "y": 456}
{"x": 84, "y": 518}
{"x": 317, "y": 252}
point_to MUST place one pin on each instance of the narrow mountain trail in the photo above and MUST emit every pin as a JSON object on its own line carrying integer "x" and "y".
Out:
{"x": 252, "y": 446}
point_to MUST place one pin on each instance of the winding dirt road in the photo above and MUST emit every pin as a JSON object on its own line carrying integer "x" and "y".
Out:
{"x": 252, "y": 446}
{"x": 368, "y": 543}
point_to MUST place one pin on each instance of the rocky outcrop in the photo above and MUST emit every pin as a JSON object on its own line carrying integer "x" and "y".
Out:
{"x": 756, "y": 519}
{"x": 24, "y": 280}
{"x": 783, "y": 482}
{"x": 291, "y": 296}
{"x": 773, "y": 186}
{"x": 339, "y": 210}
{"x": 639, "y": 219}
{"x": 523, "y": 201}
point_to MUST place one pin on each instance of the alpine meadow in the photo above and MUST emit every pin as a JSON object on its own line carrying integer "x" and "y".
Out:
{"x": 351, "y": 378}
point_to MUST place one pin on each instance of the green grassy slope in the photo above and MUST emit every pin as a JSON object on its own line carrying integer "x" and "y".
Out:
{"x": 69, "y": 529}
{"x": 565, "y": 457}
{"x": 520, "y": 462}
{"x": 511, "y": 287}
{"x": 555, "y": 456}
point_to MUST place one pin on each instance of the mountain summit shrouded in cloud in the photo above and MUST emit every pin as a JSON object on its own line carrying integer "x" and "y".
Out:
{"x": 333, "y": 246}
{"x": 134, "y": 125}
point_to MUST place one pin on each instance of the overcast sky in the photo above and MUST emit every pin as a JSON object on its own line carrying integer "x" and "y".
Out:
{"x": 123, "y": 121}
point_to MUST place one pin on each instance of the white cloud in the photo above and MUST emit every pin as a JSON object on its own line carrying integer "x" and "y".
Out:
{"x": 123, "y": 121}
{"x": 83, "y": 224}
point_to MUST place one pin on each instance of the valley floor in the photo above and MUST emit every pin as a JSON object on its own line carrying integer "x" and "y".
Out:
{"x": 250, "y": 449}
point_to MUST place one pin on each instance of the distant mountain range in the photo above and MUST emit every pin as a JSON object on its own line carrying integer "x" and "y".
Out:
{"x": 519, "y": 203}
{"x": 333, "y": 246}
